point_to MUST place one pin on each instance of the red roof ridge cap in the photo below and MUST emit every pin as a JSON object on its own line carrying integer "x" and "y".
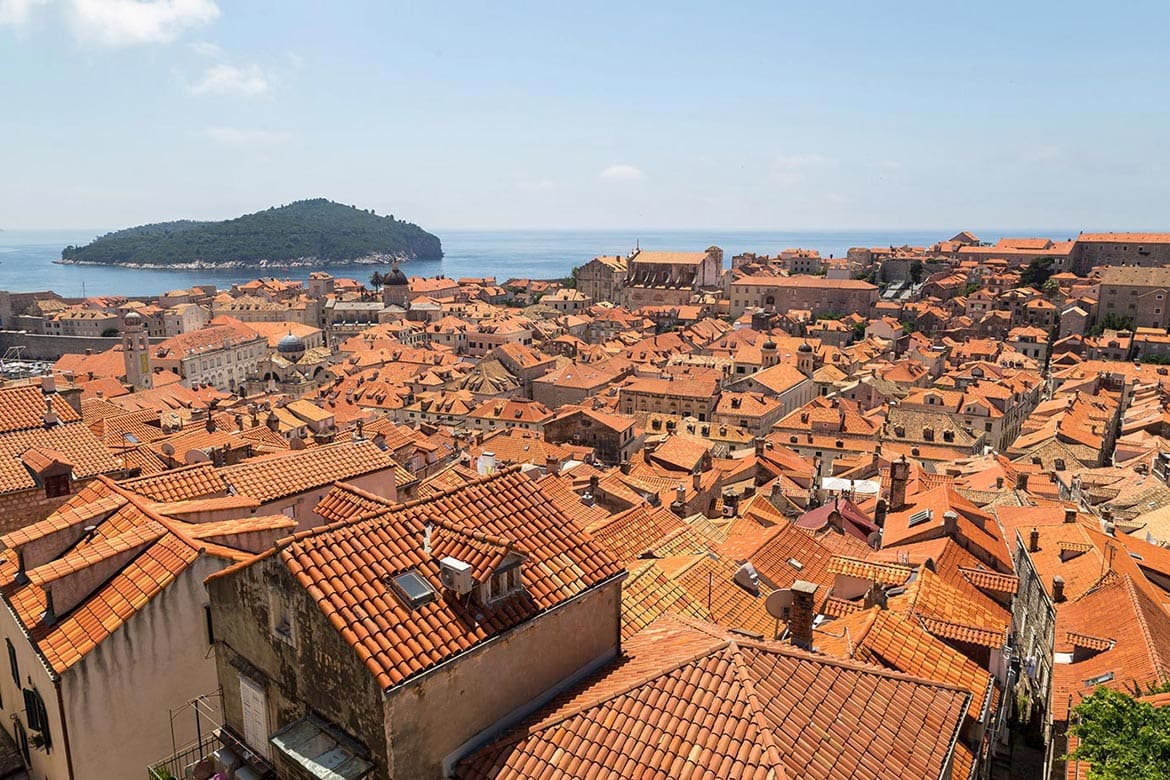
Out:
{"x": 146, "y": 507}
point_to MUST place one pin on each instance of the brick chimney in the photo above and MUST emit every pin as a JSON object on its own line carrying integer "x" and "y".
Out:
{"x": 679, "y": 505}
{"x": 950, "y": 522}
{"x": 1022, "y": 481}
{"x": 800, "y": 617}
{"x": 1034, "y": 540}
{"x": 899, "y": 477}
{"x": 625, "y": 466}
{"x": 1057, "y": 589}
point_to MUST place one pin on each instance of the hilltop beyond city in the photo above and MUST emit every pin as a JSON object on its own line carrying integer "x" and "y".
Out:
{"x": 903, "y": 513}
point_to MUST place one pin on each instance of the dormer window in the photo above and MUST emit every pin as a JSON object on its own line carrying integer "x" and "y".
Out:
{"x": 504, "y": 581}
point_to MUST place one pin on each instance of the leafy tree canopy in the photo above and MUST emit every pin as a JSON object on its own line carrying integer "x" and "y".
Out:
{"x": 1121, "y": 737}
{"x": 308, "y": 229}
{"x": 1036, "y": 273}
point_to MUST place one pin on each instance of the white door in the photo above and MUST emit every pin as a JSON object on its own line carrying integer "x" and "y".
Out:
{"x": 255, "y": 704}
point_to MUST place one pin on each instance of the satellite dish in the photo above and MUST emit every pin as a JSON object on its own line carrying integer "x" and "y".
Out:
{"x": 874, "y": 540}
{"x": 196, "y": 456}
{"x": 168, "y": 449}
{"x": 778, "y": 603}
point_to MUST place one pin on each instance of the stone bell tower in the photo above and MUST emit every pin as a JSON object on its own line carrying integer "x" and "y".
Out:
{"x": 136, "y": 352}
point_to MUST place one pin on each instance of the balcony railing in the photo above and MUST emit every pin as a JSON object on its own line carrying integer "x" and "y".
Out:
{"x": 181, "y": 765}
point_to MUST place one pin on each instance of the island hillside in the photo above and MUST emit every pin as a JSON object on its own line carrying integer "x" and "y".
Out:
{"x": 305, "y": 233}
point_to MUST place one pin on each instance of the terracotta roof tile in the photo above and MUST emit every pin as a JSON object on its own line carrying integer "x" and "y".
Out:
{"x": 24, "y": 407}
{"x": 688, "y": 702}
{"x": 883, "y": 573}
{"x": 333, "y": 564}
{"x": 295, "y": 472}
{"x": 182, "y": 484}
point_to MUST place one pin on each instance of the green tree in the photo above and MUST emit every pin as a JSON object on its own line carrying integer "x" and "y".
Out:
{"x": 377, "y": 280}
{"x": 1036, "y": 273}
{"x": 1123, "y": 738}
{"x": 1111, "y": 322}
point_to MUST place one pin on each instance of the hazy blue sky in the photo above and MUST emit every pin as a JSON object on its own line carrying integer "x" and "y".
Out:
{"x": 589, "y": 114}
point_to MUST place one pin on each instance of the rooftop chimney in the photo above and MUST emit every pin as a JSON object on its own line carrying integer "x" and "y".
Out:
{"x": 625, "y": 466}
{"x": 950, "y": 522}
{"x": 1022, "y": 481}
{"x": 899, "y": 477}
{"x": 486, "y": 465}
{"x": 800, "y": 618}
{"x": 1057, "y": 589}
{"x": 1034, "y": 540}
{"x": 679, "y": 505}
{"x": 999, "y": 483}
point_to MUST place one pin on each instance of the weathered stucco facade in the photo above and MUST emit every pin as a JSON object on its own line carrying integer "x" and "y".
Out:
{"x": 412, "y": 729}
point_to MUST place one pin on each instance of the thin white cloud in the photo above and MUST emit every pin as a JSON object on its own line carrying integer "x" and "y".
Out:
{"x": 622, "y": 172}
{"x": 207, "y": 49}
{"x": 16, "y": 13}
{"x": 535, "y": 185}
{"x": 234, "y": 136}
{"x": 793, "y": 168}
{"x": 128, "y": 22}
{"x": 224, "y": 79}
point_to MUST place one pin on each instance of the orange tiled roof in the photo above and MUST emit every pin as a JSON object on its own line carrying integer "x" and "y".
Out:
{"x": 945, "y": 611}
{"x": 883, "y": 573}
{"x": 333, "y": 563}
{"x": 182, "y": 484}
{"x": 283, "y": 475}
{"x": 24, "y": 407}
{"x": 888, "y": 639}
{"x": 688, "y": 701}
{"x": 129, "y": 557}
{"x": 73, "y": 442}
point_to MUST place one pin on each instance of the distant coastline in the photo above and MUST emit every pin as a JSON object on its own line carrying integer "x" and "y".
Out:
{"x": 229, "y": 265}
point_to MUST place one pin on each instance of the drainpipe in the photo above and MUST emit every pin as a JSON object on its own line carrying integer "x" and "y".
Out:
{"x": 64, "y": 725}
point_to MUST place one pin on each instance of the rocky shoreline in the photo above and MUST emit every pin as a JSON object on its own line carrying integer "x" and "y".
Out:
{"x": 213, "y": 265}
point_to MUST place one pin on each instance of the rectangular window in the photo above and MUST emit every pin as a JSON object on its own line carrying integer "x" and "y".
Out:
{"x": 12, "y": 662}
{"x": 210, "y": 626}
{"x": 37, "y": 715}
{"x": 57, "y": 485}
{"x": 281, "y": 620}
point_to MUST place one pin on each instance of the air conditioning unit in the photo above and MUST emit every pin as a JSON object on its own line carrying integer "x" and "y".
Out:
{"x": 456, "y": 575}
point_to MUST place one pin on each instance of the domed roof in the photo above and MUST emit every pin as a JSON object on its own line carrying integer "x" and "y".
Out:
{"x": 132, "y": 318}
{"x": 395, "y": 277}
{"x": 806, "y": 347}
{"x": 290, "y": 344}
{"x": 770, "y": 345}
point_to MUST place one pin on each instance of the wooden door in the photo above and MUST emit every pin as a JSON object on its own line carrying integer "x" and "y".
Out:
{"x": 254, "y": 700}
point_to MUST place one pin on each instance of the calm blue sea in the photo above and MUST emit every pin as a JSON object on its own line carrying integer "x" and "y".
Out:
{"x": 26, "y": 256}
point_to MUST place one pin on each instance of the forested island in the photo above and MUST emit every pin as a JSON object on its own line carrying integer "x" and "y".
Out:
{"x": 305, "y": 233}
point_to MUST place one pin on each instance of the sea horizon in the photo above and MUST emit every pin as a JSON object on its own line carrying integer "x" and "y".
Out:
{"x": 28, "y": 255}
